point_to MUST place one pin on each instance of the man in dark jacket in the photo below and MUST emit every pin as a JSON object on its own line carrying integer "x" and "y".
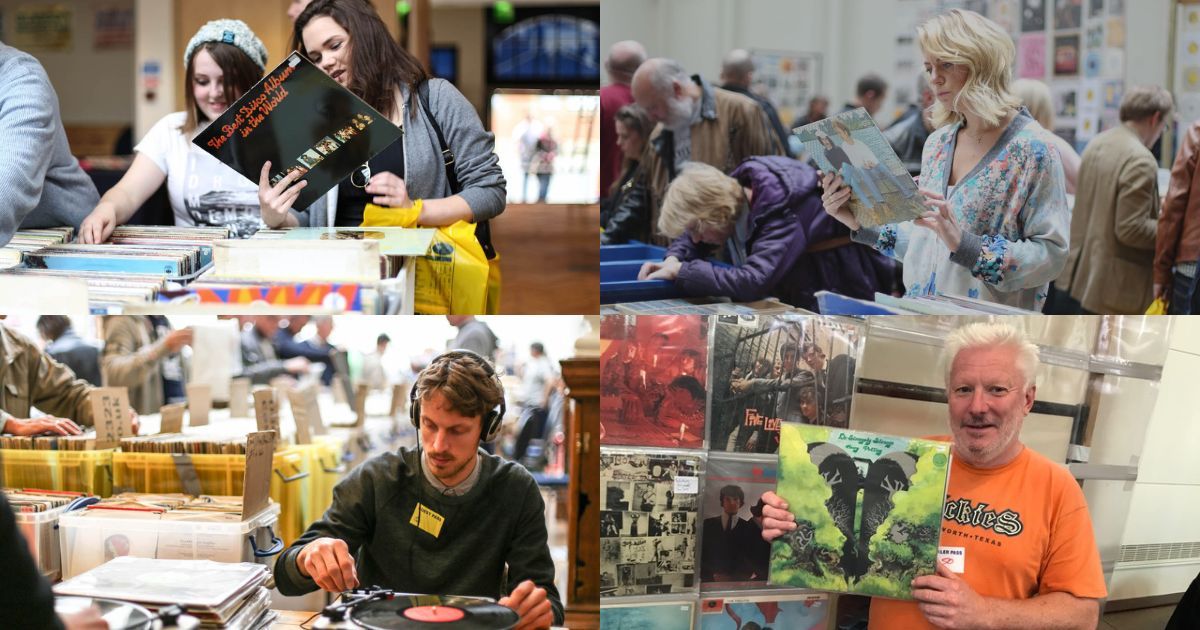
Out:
{"x": 908, "y": 134}
{"x": 444, "y": 518}
{"x": 783, "y": 244}
{"x": 66, "y": 347}
{"x": 737, "y": 75}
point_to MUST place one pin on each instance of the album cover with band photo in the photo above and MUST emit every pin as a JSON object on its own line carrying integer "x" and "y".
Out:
{"x": 653, "y": 374}
{"x": 771, "y": 369}
{"x": 733, "y": 554}
{"x": 648, "y": 514}
{"x": 299, "y": 119}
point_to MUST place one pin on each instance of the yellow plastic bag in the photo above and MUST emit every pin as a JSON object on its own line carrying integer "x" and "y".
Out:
{"x": 453, "y": 276}
{"x": 1157, "y": 307}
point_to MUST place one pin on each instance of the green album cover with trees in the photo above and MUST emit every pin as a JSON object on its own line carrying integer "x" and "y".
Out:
{"x": 868, "y": 510}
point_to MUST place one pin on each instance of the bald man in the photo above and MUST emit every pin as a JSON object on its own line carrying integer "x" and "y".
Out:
{"x": 623, "y": 60}
{"x": 737, "y": 75}
{"x": 696, "y": 122}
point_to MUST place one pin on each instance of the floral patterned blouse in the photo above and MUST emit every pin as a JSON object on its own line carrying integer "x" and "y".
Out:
{"x": 1012, "y": 208}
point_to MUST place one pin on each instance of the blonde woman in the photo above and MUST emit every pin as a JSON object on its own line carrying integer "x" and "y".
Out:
{"x": 1035, "y": 95}
{"x": 998, "y": 218}
{"x": 767, "y": 214}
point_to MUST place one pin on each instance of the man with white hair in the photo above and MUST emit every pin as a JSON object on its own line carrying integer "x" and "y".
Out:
{"x": 737, "y": 75}
{"x": 696, "y": 122}
{"x": 623, "y": 60}
{"x": 1017, "y": 520}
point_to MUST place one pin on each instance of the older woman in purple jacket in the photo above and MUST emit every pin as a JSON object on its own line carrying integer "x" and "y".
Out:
{"x": 781, "y": 242}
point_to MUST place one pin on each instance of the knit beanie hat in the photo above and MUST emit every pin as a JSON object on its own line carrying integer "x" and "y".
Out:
{"x": 234, "y": 32}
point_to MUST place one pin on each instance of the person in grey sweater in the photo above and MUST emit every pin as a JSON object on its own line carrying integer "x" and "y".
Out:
{"x": 348, "y": 40}
{"x": 443, "y": 518}
{"x": 41, "y": 183}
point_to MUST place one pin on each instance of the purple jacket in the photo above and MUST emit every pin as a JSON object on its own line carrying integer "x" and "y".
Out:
{"x": 786, "y": 218}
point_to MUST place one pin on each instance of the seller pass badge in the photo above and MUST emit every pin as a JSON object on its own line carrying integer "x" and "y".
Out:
{"x": 427, "y": 520}
{"x": 954, "y": 558}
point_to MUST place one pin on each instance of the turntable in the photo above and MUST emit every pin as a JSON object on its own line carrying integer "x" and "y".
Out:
{"x": 379, "y": 609}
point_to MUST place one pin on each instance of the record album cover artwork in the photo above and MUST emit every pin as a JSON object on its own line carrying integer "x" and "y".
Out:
{"x": 868, "y": 510}
{"x": 769, "y": 369}
{"x": 850, "y": 145}
{"x": 648, "y": 522}
{"x": 733, "y": 554}
{"x": 775, "y": 611}
{"x": 299, "y": 119}
{"x": 653, "y": 371}
{"x": 659, "y": 616}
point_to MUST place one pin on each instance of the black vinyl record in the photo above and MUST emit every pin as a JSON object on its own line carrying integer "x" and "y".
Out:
{"x": 397, "y": 613}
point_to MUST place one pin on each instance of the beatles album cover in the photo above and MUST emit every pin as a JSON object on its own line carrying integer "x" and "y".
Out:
{"x": 653, "y": 371}
{"x": 658, "y": 615}
{"x": 733, "y": 554}
{"x": 648, "y": 521}
{"x": 850, "y": 145}
{"x": 769, "y": 369}
{"x": 868, "y": 510}
{"x": 766, "y": 611}
{"x": 301, "y": 120}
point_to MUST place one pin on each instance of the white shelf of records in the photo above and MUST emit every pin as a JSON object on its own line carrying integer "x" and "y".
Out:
{"x": 695, "y": 412}
{"x": 203, "y": 270}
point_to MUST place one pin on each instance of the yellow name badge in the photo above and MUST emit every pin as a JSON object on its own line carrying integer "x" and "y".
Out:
{"x": 427, "y": 520}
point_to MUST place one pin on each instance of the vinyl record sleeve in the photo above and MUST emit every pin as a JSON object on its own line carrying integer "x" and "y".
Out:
{"x": 299, "y": 119}
{"x": 660, "y": 615}
{"x": 653, "y": 380}
{"x": 868, "y": 510}
{"x": 771, "y": 369}
{"x": 735, "y": 611}
{"x": 648, "y": 521}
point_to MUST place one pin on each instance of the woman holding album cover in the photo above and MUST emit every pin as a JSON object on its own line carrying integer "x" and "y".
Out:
{"x": 222, "y": 60}
{"x": 348, "y": 40}
{"x": 997, "y": 223}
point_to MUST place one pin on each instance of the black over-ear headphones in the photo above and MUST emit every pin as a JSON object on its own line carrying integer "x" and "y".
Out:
{"x": 492, "y": 419}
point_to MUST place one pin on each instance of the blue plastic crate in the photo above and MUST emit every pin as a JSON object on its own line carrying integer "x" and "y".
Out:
{"x": 632, "y": 250}
{"x": 619, "y": 283}
{"x": 837, "y": 304}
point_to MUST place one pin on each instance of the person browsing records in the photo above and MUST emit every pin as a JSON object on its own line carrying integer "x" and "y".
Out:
{"x": 442, "y": 518}
{"x": 997, "y": 219}
{"x": 222, "y": 61}
{"x": 1029, "y": 556}
{"x": 349, "y": 42}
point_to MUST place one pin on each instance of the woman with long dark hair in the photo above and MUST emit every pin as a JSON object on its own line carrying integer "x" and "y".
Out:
{"x": 350, "y": 43}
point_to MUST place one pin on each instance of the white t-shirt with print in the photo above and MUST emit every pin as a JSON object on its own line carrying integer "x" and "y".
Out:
{"x": 203, "y": 191}
{"x": 860, "y": 155}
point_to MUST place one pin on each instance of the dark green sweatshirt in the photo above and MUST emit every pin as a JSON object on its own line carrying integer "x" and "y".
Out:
{"x": 501, "y": 521}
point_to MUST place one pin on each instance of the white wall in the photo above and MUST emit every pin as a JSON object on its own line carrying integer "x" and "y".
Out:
{"x": 854, "y": 36}
{"x": 93, "y": 86}
{"x": 154, "y": 41}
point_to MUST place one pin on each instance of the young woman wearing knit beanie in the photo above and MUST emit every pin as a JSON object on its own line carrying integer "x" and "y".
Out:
{"x": 223, "y": 60}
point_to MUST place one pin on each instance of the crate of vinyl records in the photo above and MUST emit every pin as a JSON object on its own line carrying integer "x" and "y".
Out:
{"x": 168, "y": 526}
{"x": 37, "y": 513}
{"x": 56, "y": 464}
{"x": 163, "y": 461}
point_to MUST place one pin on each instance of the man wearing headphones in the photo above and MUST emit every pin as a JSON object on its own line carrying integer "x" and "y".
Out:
{"x": 444, "y": 518}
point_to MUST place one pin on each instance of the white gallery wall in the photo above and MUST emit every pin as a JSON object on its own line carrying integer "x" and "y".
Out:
{"x": 854, "y": 37}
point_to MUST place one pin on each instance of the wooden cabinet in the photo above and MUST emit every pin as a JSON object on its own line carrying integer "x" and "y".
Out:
{"x": 583, "y": 435}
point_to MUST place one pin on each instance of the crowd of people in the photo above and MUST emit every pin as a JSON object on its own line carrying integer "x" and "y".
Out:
{"x": 1013, "y": 214}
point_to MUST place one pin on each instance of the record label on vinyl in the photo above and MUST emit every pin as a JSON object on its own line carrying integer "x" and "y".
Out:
{"x": 428, "y": 611}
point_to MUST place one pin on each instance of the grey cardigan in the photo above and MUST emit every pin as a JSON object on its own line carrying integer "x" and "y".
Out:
{"x": 476, "y": 162}
{"x": 41, "y": 184}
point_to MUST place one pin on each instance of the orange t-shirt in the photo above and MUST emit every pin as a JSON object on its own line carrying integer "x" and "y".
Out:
{"x": 1025, "y": 530}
